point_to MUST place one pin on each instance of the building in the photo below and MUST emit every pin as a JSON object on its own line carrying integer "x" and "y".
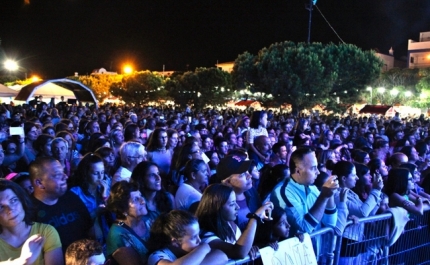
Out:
{"x": 419, "y": 51}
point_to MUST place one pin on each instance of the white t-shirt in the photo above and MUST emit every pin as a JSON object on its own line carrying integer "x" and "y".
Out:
{"x": 185, "y": 196}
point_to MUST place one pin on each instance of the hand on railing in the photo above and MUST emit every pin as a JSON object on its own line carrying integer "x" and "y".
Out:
{"x": 253, "y": 253}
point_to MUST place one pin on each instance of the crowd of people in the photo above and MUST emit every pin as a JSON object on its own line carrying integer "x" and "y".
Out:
{"x": 152, "y": 185}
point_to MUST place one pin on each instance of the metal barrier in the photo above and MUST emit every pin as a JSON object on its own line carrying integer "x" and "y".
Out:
{"x": 368, "y": 242}
{"x": 325, "y": 257}
{"x": 365, "y": 242}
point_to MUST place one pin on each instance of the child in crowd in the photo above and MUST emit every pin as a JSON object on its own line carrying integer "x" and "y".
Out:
{"x": 278, "y": 229}
{"x": 85, "y": 251}
{"x": 175, "y": 237}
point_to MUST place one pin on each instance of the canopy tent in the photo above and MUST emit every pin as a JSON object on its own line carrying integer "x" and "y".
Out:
{"x": 375, "y": 109}
{"x": 56, "y": 88}
{"x": 245, "y": 102}
{"x": 7, "y": 92}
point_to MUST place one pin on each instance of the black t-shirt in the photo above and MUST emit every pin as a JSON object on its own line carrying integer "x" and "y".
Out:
{"x": 69, "y": 216}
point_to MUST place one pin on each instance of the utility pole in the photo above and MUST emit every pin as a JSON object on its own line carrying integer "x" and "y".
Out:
{"x": 309, "y": 7}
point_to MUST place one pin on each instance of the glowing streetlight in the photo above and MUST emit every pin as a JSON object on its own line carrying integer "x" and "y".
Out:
{"x": 35, "y": 78}
{"x": 381, "y": 90}
{"x": 11, "y": 65}
{"x": 128, "y": 69}
{"x": 408, "y": 94}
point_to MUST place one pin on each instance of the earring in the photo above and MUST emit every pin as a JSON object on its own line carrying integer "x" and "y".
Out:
{"x": 125, "y": 214}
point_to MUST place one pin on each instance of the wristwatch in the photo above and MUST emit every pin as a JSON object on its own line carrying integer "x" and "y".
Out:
{"x": 255, "y": 216}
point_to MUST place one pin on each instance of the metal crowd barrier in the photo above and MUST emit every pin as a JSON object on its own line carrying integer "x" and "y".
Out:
{"x": 325, "y": 257}
{"x": 368, "y": 242}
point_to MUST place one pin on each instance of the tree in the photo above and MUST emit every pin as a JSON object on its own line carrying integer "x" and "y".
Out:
{"x": 204, "y": 86}
{"x": 99, "y": 83}
{"x": 306, "y": 74}
{"x": 140, "y": 87}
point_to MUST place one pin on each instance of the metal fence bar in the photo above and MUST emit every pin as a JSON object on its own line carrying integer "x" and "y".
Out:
{"x": 367, "y": 243}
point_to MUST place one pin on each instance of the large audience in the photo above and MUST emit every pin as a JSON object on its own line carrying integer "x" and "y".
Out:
{"x": 162, "y": 185}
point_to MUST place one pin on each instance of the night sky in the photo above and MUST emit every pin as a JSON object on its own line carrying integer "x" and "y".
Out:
{"x": 55, "y": 38}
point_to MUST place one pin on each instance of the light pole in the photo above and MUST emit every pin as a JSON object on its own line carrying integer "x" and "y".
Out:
{"x": 369, "y": 88}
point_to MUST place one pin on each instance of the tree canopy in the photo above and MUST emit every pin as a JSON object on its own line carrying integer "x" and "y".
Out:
{"x": 140, "y": 87}
{"x": 307, "y": 74}
{"x": 204, "y": 86}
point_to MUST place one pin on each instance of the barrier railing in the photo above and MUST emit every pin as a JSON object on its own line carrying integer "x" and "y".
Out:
{"x": 371, "y": 241}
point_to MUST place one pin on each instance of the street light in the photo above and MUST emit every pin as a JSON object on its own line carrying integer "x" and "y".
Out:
{"x": 408, "y": 94}
{"x": 128, "y": 69}
{"x": 381, "y": 90}
{"x": 11, "y": 65}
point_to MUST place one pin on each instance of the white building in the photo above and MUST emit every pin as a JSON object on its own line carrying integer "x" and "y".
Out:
{"x": 419, "y": 51}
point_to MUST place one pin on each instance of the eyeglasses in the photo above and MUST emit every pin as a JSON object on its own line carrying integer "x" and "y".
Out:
{"x": 137, "y": 157}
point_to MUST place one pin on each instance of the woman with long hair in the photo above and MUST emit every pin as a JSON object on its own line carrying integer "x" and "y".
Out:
{"x": 158, "y": 151}
{"x": 217, "y": 212}
{"x": 147, "y": 176}
{"x": 90, "y": 183}
{"x": 116, "y": 137}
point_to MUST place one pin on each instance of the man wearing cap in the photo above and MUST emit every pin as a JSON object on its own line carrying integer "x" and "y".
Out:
{"x": 305, "y": 205}
{"x": 232, "y": 171}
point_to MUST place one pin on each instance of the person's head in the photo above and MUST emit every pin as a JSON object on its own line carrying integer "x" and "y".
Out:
{"x": 92, "y": 127}
{"x": 147, "y": 176}
{"x": 280, "y": 149}
{"x": 363, "y": 173}
{"x": 377, "y": 166}
{"x": 281, "y": 227}
{"x": 216, "y": 208}
{"x": 30, "y": 131}
{"x": 399, "y": 181}
{"x": 176, "y": 229}
{"x": 59, "y": 148}
{"x": 15, "y": 205}
{"x": 346, "y": 174}
{"x": 48, "y": 178}
{"x": 173, "y": 136}
{"x": 411, "y": 153}
{"x": 125, "y": 200}
{"x": 43, "y": 144}
{"x": 397, "y": 159}
{"x": 158, "y": 139}
{"x": 116, "y": 137}
{"x": 196, "y": 171}
{"x": 132, "y": 153}
{"x": 214, "y": 159}
{"x": 90, "y": 172}
{"x": 49, "y": 130}
{"x": 85, "y": 252}
{"x": 221, "y": 145}
{"x": 234, "y": 171}
{"x": 258, "y": 118}
{"x": 131, "y": 132}
{"x": 262, "y": 144}
{"x": 108, "y": 156}
{"x": 304, "y": 166}
{"x": 68, "y": 137}
{"x": 360, "y": 156}
{"x": 23, "y": 180}
{"x": 413, "y": 169}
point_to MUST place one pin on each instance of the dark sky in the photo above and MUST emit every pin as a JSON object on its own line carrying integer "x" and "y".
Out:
{"x": 55, "y": 38}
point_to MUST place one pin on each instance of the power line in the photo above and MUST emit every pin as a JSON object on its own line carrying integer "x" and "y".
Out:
{"x": 329, "y": 24}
